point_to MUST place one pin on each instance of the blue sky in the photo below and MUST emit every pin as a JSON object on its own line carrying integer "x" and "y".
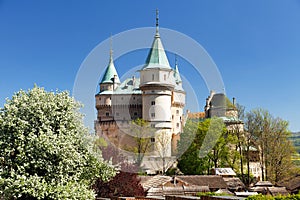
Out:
{"x": 254, "y": 43}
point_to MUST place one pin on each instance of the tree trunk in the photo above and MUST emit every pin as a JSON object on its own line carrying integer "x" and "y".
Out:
{"x": 262, "y": 165}
{"x": 241, "y": 160}
{"x": 248, "y": 166}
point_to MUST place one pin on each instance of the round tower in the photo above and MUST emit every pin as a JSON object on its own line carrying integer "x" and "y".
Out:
{"x": 110, "y": 81}
{"x": 157, "y": 83}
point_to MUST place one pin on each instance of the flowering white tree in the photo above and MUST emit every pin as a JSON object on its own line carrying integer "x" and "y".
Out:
{"x": 45, "y": 150}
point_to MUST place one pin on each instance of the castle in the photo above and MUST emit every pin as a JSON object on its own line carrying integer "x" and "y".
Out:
{"x": 157, "y": 97}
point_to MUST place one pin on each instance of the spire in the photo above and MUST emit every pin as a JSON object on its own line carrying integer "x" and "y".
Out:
{"x": 157, "y": 24}
{"x": 157, "y": 57}
{"x": 110, "y": 50}
{"x": 176, "y": 72}
{"x": 110, "y": 71}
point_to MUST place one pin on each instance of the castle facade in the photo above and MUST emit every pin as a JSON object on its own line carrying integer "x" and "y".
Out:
{"x": 156, "y": 96}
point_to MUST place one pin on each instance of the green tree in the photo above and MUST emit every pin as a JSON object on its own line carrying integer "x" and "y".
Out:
{"x": 208, "y": 148}
{"x": 142, "y": 134}
{"x": 270, "y": 137}
{"x": 241, "y": 137}
{"x": 280, "y": 150}
{"x": 45, "y": 150}
{"x": 216, "y": 143}
{"x": 189, "y": 144}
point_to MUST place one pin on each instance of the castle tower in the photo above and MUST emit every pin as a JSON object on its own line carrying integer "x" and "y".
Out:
{"x": 178, "y": 103}
{"x": 156, "y": 96}
{"x": 110, "y": 81}
{"x": 157, "y": 85}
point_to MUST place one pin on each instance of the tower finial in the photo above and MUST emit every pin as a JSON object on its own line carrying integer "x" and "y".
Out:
{"x": 176, "y": 60}
{"x": 111, "y": 48}
{"x": 157, "y": 18}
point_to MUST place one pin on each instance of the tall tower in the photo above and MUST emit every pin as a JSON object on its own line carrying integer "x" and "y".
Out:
{"x": 108, "y": 84}
{"x": 157, "y": 84}
{"x": 178, "y": 103}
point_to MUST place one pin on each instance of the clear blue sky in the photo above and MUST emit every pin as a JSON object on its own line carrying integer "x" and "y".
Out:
{"x": 255, "y": 44}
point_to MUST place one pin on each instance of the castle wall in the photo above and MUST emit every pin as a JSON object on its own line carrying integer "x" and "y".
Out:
{"x": 157, "y": 105}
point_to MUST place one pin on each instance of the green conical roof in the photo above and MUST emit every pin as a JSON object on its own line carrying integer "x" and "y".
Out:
{"x": 177, "y": 74}
{"x": 157, "y": 57}
{"x": 110, "y": 72}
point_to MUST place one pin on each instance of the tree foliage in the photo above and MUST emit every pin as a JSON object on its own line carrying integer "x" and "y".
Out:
{"x": 163, "y": 147}
{"x": 270, "y": 136}
{"x": 269, "y": 197}
{"x": 142, "y": 134}
{"x": 125, "y": 183}
{"x": 45, "y": 150}
{"x": 208, "y": 148}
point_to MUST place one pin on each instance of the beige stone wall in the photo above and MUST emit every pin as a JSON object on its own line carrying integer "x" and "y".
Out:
{"x": 103, "y": 100}
{"x": 157, "y": 105}
{"x": 177, "y": 118}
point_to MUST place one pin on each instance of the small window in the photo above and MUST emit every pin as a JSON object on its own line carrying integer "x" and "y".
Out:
{"x": 152, "y": 77}
{"x": 122, "y": 98}
{"x": 172, "y": 116}
{"x": 117, "y": 114}
{"x": 152, "y": 139}
{"x": 107, "y": 114}
{"x": 152, "y": 125}
{"x": 152, "y": 103}
{"x": 152, "y": 91}
{"x": 133, "y": 98}
{"x": 177, "y": 125}
{"x": 152, "y": 115}
{"x": 165, "y": 77}
{"x": 110, "y": 98}
{"x": 135, "y": 113}
{"x": 100, "y": 98}
{"x": 177, "y": 112}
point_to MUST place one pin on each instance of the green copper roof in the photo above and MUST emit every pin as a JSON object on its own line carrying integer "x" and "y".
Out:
{"x": 157, "y": 57}
{"x": 129, "y": 86}
{"x": 177, "y": 74}
{"x": 178, "y": 80}
{"x": 110, "y": 72}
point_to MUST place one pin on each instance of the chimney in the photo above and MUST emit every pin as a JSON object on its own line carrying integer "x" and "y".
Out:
{"x": 233, "y": 101}
{"x": 114, "y": 82}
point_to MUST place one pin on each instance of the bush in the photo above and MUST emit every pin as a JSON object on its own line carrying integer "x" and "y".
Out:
{"x": 268, "y": 197}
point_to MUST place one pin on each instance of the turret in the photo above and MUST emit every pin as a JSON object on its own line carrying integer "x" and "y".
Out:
{"x": 177, "y": 77}
{"x": 110, "y": 80}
